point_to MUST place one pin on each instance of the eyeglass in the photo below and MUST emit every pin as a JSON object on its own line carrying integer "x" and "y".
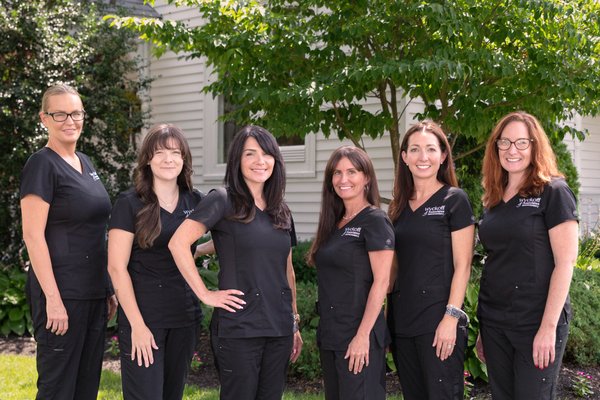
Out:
{"x": 520, "y": 144}
{"x": 62, "y": 116}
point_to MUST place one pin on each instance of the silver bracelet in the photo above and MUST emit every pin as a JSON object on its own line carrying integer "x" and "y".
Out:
{"x": 456, "y": 312}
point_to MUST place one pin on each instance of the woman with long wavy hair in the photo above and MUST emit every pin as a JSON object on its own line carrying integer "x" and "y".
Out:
{"x": 529, "y": 231}
{"x": 159, "y": 314}
{"x": 353, "y": 253}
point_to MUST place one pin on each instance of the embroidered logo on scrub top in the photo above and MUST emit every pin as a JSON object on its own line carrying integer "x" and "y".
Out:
{"x": 354, "y": 232}
{"x": 188, "y": 212}
{"x": 94, "y": 176}
{"x": 531, "y": 202}
{"x": 436, "y": 210}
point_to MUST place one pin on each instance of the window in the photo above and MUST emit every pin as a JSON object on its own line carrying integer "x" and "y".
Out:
{"x": 298, "y": 153}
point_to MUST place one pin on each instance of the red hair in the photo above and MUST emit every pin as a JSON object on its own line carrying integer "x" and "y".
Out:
{"x": 541, "y": 170}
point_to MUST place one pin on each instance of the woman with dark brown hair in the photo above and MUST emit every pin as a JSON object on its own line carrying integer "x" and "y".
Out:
{"x": 353, "y": 252}
{"x": 434, "y": 232}
{"x": 158, "y": 314}
{"x": 530, "y": 233}
{"x": 255, "y": 334}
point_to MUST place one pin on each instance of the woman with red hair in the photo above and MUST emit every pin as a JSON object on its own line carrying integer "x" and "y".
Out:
{"x": 530, "y": 233}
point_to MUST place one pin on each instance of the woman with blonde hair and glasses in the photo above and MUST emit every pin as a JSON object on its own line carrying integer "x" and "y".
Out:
{"x": 530, "y": 234}
{"x": 65, "y": 209}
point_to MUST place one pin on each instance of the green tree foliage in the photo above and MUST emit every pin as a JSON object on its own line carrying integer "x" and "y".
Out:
{"x": 304, "y": 66}
{"x": 46, "y": 42}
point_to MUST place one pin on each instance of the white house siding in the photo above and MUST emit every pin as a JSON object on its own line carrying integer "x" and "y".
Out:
{"x": 176, "y": 98}
{"x": 586, "y": 156}
{"x": 175, "y": 91}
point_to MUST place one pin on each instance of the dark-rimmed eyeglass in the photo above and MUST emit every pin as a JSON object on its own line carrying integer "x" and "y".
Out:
{"x": 62, "y": 116}
{"x": 520, "y": 144}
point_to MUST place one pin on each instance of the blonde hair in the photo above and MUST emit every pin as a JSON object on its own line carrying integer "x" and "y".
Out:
{"x": 61, "y": 88}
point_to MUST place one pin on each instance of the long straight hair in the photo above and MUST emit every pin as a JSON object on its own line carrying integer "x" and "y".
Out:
{"x": 274, "y": 188}
{"x": 543, "y": 161}
{"x": 332, "y": 206}
{"x": 160, "y": 136}
{"x": 404, "y": 185}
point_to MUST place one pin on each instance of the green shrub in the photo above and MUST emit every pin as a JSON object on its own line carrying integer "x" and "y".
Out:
{"x": 583, "y": 345}
{"x": 304, "y": 272}
{"x": 308, "y": 365}
{"x": 14, "y": 310}
{"x": 473, "y": 365}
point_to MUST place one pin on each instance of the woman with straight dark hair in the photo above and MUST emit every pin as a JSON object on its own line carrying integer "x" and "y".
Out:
{"x": 434, "y": 230}
{"x": 353, "y": 253}
{"x": 530, "y": 233}
{"x": 65, "y": 208}
{"x": 158, "y": 314}
{"x": 255, "y": 336}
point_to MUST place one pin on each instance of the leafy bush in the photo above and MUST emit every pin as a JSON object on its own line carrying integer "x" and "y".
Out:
{"x": 309, "y": 363}
{"x": 46, "y": 42}
{"x": 473, "y": 365}
{"x": 304, "y": 272}
{"x": 14, "y": 310}
{"x": 583, "y": 345}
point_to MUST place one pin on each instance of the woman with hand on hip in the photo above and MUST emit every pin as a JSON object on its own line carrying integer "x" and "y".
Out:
{"x": 529, "y": 231}
{"x": 253, "y": 336}
{"x": 353, "y": 253}
{"x": 158, "y": 315}
{"x": 434, "y": 227}
{"x": 64, "y": 210}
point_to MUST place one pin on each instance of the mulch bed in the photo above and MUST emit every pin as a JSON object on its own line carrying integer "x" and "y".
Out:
{"x": 205, "y": 375}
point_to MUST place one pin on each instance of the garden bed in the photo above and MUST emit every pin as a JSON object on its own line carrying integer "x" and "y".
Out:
{"x": 205, "y": 376}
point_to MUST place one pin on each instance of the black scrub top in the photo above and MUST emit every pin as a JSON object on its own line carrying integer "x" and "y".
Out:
{"x": 252, "y": 258}
{"x": 425, "y": 261}
{"x": 519, "y": 264}
{"x": 163, "y": 297}
{"x": 345, "y": 277}
{"x": 76, "y": 225}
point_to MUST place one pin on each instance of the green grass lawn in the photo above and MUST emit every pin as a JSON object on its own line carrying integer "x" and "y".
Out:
{"x": 19, "y": 375}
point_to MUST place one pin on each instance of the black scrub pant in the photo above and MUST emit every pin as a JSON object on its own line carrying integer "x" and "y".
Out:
{"x": 342, "y": 384}
{"x": 423, "y": 376}
{"x": 165, "y": 378}
{"x": 509, "y": 359}
{"x": 69, "y": 366}
{"x": 252, "y": 368}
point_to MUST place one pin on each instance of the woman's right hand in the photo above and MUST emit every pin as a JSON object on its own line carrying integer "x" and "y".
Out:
{"x": 225, "y": 299}
{"x": 58, "y": 319}
{"x": 142, "y": 343}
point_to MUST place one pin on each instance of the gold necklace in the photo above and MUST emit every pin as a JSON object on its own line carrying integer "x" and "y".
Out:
{"x": 168, "y": 204}
{"x": 346, "y": 218}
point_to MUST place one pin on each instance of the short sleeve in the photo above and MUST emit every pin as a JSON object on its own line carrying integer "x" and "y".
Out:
{"x": 123, "y": 215}
{"x": 379, "y": 232}
{"x": 293, "y": 237}
{"x": 561, "y": 204}
{"x": 38, "y": 177}
{"x": 211, "y": 209}
{"x": 460, "y": 210}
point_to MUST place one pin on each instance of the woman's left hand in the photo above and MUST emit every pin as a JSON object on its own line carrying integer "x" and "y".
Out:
{"x": 358, "y": 353}
{"x": 445, "y": 337}
{"x": 297, "y": 349}
{"x": 544, "y": 350}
